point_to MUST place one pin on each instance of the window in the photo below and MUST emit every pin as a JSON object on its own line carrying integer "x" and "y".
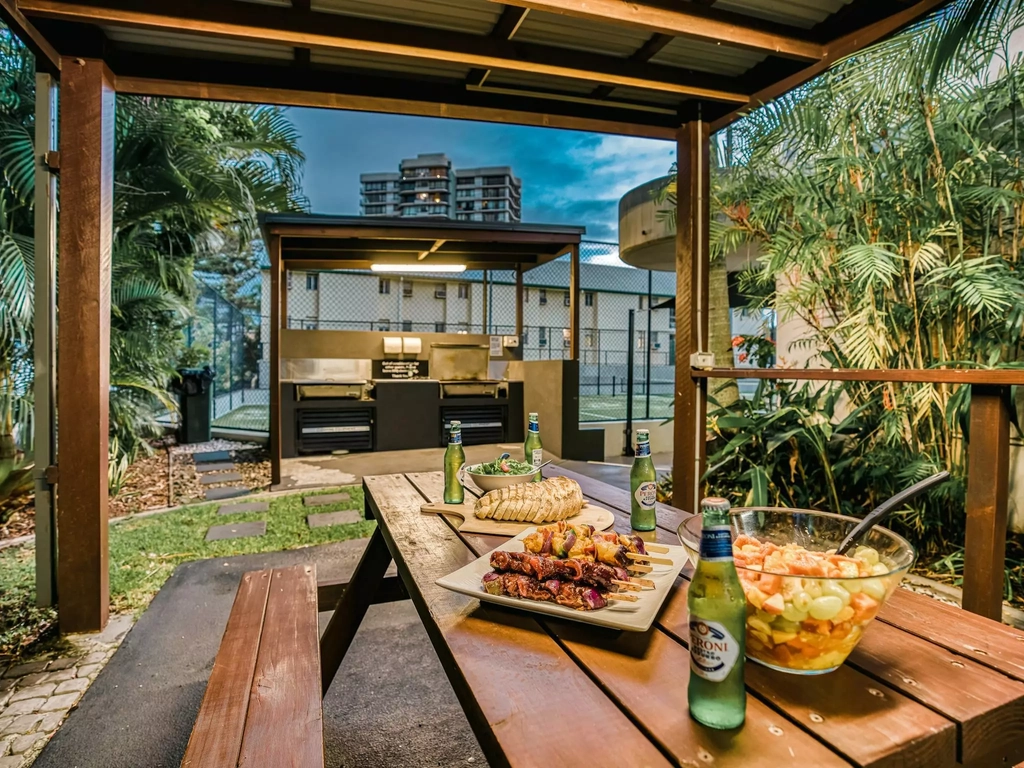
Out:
{"x": 588, "y": 298}
{"x": 463, "y": 290}
{"x": 289, "y": 279}
{"x": 491, "y": 181}
{"x": 372, "y": 186}
{"x": 566, "y": 336}
{"x": 439, "y": 327}
{"x": 567, "y": 299}
{"x": 642, "y": 300}
{"x": 640, "y": 339}
{"x": 526, "y": 337}
{"x": 312, "y": 281}
{"x": 672, "y": 319}
{"x": 372, "y": 210}
{"x": 383, "y": 285}
{"x": 542, "y": 296}
{"x": 440, "y": 291}
{"x": 526, "y": 295}
{"x": 588, "y": 339}
{"x": 406, "y": 289}
{"x": 377, "y": 197}
{"x": 407, "y": 325}
{"x": 542, "y": 336}
{"x": 654, "y": 340}
{"x": 383, "y": 325}
{"x": 465, "y": 181}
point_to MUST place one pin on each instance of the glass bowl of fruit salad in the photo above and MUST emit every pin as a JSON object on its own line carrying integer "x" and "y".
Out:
{"x": 807, "y": 608}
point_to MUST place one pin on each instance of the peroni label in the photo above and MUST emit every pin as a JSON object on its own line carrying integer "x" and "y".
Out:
{"x": 713, "y": 651}
{"x": 716, "y": 543}
{"x": 646, "y": 495}
{"x": 538, "y": 457}
{"x": 643, "y": 449}
{"x": 534, "y": 426}
{"x": 455, "y": 438}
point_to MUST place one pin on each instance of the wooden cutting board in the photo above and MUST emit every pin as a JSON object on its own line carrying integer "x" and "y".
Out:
{"x": 599, "y": 517}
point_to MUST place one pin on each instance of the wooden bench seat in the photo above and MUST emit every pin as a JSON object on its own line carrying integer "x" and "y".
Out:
{"x": 262, "y": 706}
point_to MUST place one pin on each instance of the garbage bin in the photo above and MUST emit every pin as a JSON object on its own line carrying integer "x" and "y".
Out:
{"x": 194, "y": 391}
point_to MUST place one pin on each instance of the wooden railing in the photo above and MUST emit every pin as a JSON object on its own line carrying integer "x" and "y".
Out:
{"x": 988, "y": 461}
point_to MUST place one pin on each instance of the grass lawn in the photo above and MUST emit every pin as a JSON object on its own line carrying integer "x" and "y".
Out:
{"x": 613, "y": 408}
{"x": 144, "y": 551}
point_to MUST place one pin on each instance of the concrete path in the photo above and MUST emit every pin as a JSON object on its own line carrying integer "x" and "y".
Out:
{"x": 391, "y": 705}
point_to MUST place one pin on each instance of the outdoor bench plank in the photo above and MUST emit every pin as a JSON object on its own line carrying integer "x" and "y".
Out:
{"x": 646, "y": 674}
{"x": 262, "y": 703}
{"x": 509, "y": 674}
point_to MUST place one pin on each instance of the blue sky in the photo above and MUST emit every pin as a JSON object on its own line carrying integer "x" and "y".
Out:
{"x": 568, "y": 177}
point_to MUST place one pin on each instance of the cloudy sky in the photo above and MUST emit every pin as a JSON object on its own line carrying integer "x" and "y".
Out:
{"x": 568, "y": 177}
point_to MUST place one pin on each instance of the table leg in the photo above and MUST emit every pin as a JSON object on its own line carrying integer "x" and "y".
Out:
{"x": 987, "y": 501}
{"x": 351, "y": 608}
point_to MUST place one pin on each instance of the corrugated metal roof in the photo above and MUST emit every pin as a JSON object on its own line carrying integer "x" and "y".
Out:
{"x": 140, "y": 38}
{"x": 533, "y": 80}
{"x": 707, "y": 57}
{"x": 660, "y": 98}
{"x": 424, "y": 68}
{"x": 797, "y": 13}
{"x": 477, "y": 16}
{"x": 580, "y": 34}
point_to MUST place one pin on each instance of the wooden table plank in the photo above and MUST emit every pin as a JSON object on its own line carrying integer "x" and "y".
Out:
{"x": 509, "y": 674}
{"x": 987, "y": 706}
{"x": 286, "y": 683}
{"x": 866, "y": 721}
{"x": 987, "y": 642}
{"x": 217, "y": 735}
{"x": 616, "y": 661}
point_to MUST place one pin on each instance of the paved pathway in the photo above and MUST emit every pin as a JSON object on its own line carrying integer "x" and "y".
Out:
{"x": 36, "y": 695}
{"x": 216, "y": 469}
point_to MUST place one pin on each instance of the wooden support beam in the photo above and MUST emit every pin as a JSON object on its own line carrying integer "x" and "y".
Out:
{"x": 686, "y": 20}
{"x": 270, "y": 24}
{"x": 329, "y": 592}
{"x": 276, "y": 273}
{"x": 833, "y": 52}
{"x": 692, "y": 267}
{"x": 574, "y": 302}
{"x": 519, "y": 303}
{"x": 645, "y": 52}
{"x": 987, "y": 498}
{"x": 83, "y": 366}
{"x": 47, "y": 57}
{"x": 504, "y": 29}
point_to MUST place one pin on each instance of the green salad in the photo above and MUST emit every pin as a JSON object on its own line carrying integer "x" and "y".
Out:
{"x": 503, "y": 467}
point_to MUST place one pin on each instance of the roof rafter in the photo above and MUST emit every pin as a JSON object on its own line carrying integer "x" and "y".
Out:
{"x": 47, "y": 57}
{"x": 264, "y": 23}
{"x": 687, "y": 20}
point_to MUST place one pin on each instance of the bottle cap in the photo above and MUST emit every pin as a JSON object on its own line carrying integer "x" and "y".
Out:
{"x": 643, "y": 433}
{"x": 533, "y": 417}
{"x": 715, "y": 504}
{"x": 456, "y": 425}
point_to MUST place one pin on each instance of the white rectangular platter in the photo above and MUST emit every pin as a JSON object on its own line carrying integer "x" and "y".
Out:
{"x": 632, "y": 617}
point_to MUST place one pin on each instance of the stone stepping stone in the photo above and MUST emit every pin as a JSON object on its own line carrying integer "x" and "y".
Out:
{"x": 208, "y": 456}
{"x": 218, "y": 466}
{"x": 226, "y": 477}
{"x": 227, "y": 492}
{"x": 344, "y": 517}
{"x": 247, "y": 506}
{"x": 324, "y": 500}
{"x": 236, "y": 530}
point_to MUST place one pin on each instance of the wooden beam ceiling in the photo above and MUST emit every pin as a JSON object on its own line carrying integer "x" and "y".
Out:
{"x": 645, "y": 52}
{"x": 284, "y": 25}
{"x": 687, "y": 20}
{"x": 834, "y": 51}
{"x": 47, "y": 57}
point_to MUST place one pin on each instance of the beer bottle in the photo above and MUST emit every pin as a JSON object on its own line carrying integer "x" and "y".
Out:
{"x": 718, "y": 614}
{"x": 532, "y": 447}
{"x": 643, "y": 485}
{"x": 454, "y": 461}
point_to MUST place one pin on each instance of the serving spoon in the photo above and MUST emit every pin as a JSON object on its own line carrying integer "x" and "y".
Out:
{"x": 887, "y": 506}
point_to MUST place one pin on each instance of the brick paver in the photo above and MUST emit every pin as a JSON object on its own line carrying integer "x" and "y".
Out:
{"x": 236, "y": 530}
{"x": 325, "y": 499}
{"x": 323, "y": 519}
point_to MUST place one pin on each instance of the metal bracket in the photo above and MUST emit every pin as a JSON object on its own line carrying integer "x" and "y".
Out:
{"x": 52, "y": 161}
{"x": 51, "y": 474}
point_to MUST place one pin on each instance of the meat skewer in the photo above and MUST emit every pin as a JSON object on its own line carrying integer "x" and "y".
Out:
{"x": 542, "y": 568}
{"x": 552, "y": 591}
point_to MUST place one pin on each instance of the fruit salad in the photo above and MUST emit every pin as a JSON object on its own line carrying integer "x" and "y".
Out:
{"x": 807, "y": 610}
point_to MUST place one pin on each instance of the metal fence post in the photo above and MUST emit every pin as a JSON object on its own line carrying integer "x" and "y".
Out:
{"x": 647, "y": 354}
{"x": 627, "y": 449}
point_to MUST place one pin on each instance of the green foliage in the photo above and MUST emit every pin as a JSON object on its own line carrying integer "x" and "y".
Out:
{"x": 892, "y": 205}
{"x": 189, "y": 181}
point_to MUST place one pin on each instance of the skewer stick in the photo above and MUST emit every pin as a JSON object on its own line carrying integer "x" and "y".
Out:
{"x": 656, "y": 548}
{"x": 626, "y": 598}
{"x": 637, "y": 568}
{"x": 627, "y": 585}
{"x": 642, "y": 582}
{"x": 649, "y": 559}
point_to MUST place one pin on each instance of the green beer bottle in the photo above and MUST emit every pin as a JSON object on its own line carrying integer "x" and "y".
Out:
{"x": 643, "y": 485}
{"x": 454, "y": 461}
{"x": 718, "y": 613}
{"x": 532, "y": 447}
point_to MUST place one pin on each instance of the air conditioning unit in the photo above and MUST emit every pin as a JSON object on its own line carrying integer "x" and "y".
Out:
{"x": 441, "y": 292}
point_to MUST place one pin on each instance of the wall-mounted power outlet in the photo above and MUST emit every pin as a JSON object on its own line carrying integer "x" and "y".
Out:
{"x": 702, "y": 360}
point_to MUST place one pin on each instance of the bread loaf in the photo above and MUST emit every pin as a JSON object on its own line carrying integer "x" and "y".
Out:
{"x": 556, "y": 498}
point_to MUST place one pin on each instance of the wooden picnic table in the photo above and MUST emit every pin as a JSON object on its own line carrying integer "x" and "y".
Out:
{"x": 930, "y": 685}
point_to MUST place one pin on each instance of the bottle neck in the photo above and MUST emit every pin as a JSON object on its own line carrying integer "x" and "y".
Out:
{"x": 643, "y": 449}
{"x": 455, "y": 438}
{"x": 534, "y": 427}
{"x": 714, "y": 517}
